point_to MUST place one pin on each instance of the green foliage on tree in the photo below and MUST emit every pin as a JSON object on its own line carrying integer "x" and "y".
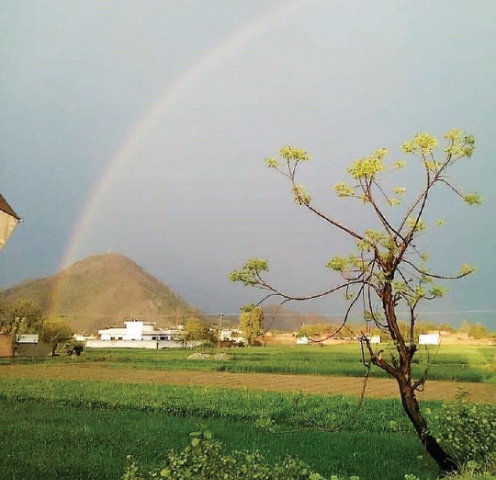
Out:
{"x": 4, "y": 308}
{"x": 20, "y": 317}
{"x": 476, "y": 330}
{"x": 196, "y": 330}
{"x": 55, "y": 331}
{"x": 308, "y": 331}
{"x": 386, "y": 272}
{"x": 446, "y": 327}
{"x": 251, "y": 323}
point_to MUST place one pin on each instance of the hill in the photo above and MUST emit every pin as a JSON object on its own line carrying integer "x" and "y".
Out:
{"x": 103, "y": 290}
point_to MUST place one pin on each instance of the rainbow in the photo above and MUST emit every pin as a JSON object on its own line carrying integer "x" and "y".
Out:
{"x": 209, "y": 62}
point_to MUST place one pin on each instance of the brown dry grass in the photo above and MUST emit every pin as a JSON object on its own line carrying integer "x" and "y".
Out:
{"x": 375, "y": 387}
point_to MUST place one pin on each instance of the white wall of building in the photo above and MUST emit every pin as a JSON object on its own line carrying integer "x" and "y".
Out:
{"x": 148, "y": 344}
{"x": 113, "y": 334}
{"x": 27, "y": 338}
{"x": 429, "y": 339}
{"x": 134, "y": 330}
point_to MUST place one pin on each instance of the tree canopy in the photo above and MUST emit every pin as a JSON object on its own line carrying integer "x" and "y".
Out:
{"x": 20, "y": 317}
{"x": 195, "y": 330}
{"x": 251, "y": 323}
{"x": 55, "y": 331}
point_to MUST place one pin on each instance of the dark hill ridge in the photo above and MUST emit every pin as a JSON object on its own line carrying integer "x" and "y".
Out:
{"x": 103, "y": 290}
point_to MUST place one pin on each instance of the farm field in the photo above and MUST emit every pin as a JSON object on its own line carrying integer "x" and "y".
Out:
{"x": 80, "y": 417}
{"x": 467, "y": 364}
{"x": 69, "y": 429}
{"x": 65, "y": 441}
{"x": 374, "y": 387}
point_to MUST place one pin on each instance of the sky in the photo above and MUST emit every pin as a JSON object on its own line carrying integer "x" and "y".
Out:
{"x": 141, "y": 127}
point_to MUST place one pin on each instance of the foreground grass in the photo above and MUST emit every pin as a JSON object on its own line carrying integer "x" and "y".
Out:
{"x": 449, "y": 363}
{"x": 58, "y": 429}
{"x": 62, "y": 429}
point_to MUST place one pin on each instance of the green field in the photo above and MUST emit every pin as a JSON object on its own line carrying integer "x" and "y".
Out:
{"x": 451, "y": 363}
{"x": 66, "y": 429}
{"x": 57, "y": 428}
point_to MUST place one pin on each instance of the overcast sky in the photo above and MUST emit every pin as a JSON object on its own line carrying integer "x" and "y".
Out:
{"x": 140, "y": 127}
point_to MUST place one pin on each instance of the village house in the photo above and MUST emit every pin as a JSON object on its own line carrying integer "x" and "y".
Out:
{"x": 232, "y": 335}
{"x": 137, "y": 334}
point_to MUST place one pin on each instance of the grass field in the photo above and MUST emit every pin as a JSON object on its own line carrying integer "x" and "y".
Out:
{"x": 58, "y": 427}
{"x": 469, "y": 364}
{"x": 63, "y": 429}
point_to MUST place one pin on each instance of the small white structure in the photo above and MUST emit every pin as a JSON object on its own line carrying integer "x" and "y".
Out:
{"x": 27, "y": 338}
{"x": 231, "y": 335}
{"x": 302, "y": 340}
{"x": 370, "y": 338}
{"x": 429, "y": 339}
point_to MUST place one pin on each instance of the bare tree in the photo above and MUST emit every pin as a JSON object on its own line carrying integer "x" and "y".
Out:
{"x": 387, "y": 271}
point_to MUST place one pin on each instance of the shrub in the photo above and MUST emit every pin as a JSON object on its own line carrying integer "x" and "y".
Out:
{"x": 469, "y": 432}
{"x": 203, "y": 459}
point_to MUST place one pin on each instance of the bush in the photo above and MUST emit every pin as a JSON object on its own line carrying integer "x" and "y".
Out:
{"x": 468, "y": 430}
{"x": 203, "y": 459}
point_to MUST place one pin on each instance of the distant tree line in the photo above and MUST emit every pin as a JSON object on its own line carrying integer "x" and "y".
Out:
{"x": 472, "y": 330}
{"x": 24, "y": 317}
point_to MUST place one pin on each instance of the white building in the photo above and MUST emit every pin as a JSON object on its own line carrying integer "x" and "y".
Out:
{"x": 374, "y": 338}
{"x": 137, "y": 334}
{"x": 139, "y": 331}
{"x": 231, "y": 335}
{"x": 429, "y": 339}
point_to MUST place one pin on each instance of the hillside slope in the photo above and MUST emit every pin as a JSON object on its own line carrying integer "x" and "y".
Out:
{"x": 103, "y": 290}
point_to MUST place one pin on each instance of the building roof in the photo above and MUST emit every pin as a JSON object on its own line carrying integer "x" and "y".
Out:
{"x": 5, "y": 207}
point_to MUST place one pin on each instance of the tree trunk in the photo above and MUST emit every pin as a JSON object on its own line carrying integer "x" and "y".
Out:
{"x": 412, "y": 409}
{"x": 402, "y": 373}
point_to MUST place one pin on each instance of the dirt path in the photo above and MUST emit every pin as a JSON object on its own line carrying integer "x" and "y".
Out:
{"x": 375, "y": 387}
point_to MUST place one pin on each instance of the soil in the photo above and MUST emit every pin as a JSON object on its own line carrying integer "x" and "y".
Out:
{"x": 375, "y": 387}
